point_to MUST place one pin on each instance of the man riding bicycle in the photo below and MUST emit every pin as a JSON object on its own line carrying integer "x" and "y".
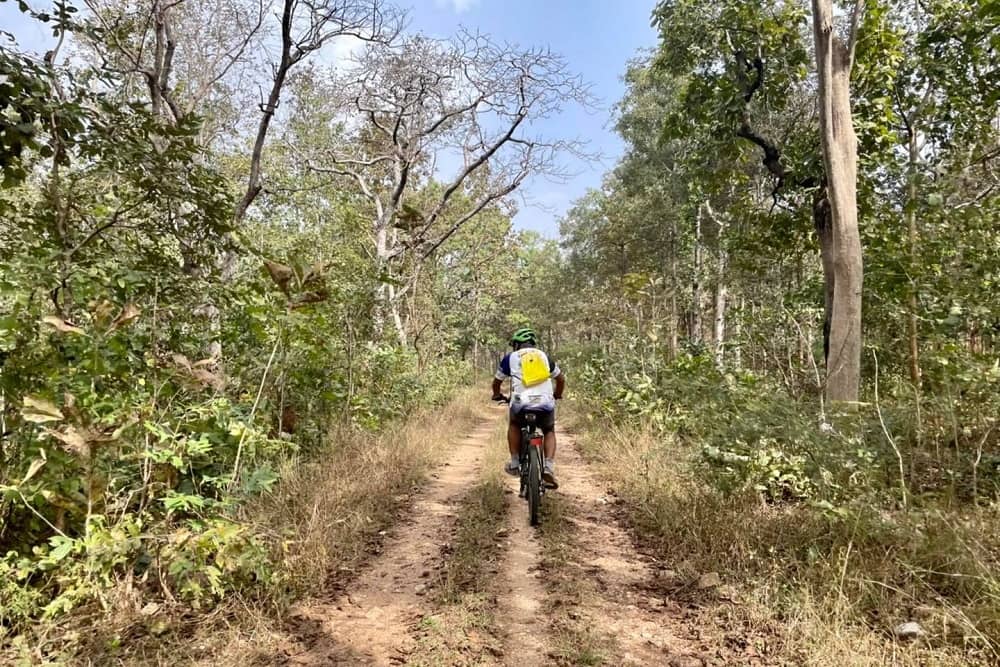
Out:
{"x": 532, "y": 375}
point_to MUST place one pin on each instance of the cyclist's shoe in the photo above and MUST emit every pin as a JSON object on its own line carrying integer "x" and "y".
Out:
{"x": 513, "y": 468}
{"x": 549, "y": 478}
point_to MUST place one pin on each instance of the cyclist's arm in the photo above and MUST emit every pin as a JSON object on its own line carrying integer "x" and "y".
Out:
{"x": 503, "y": 372}
{"x": 560, "y": 385}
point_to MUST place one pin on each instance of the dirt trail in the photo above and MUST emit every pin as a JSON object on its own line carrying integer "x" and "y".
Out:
{"x": 377, "y": 620}
{"x": 645, "y": 628}
{"x": 373, "y": 622}
{"x": 520, "y": 592}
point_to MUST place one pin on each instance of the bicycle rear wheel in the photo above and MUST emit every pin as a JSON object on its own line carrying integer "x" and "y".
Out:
{"x": 534, "y": 484}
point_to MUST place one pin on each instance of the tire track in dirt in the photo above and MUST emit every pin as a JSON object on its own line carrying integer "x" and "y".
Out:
{"x": 644, "y": 627}
{"x": 373, "y": 621}
{"x": 521, "y": 594}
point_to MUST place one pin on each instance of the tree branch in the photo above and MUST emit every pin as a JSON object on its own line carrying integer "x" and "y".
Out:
{"x": 483, "y": 203}
{"x": 852, "y": 35}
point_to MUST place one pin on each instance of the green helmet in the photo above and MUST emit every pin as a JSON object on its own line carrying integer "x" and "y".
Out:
{"x": 523, "y": 335}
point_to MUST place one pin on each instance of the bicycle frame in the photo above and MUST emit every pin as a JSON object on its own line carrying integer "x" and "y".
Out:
{"x": 530, "y": 437}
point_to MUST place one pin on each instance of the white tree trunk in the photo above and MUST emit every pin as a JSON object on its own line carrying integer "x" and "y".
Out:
{"x": 913, "y": 298}
{"x": 382, "y": 288}
{"x": 721, "y": 294}
{"x": 696, "y": 288}
{"x": 393, "y": 302}
{"x": 721, "y": 291}
{"x": 833, "y": 59}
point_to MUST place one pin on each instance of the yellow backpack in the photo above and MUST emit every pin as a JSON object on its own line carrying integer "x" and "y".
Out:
{"x": 534, "y": 367}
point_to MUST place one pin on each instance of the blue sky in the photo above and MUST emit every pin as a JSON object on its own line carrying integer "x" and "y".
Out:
{"x": 597, "y": 37}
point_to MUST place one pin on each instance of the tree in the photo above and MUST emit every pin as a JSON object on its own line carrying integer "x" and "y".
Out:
{"x": 184, "y": 57}
{"x": 163, "y": 45}
{"x": 457, "y": 113}
{"x": 834, "y": 59}
{"x": 306, "y": 26}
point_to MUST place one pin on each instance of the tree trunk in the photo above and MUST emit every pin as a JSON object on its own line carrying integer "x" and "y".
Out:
{"x": 696, "y": 287}
{"x": 913, "y": 296}
{"x": 720, "y": 308}
{"x": 393, "y": 302}
{"x": 824, "y": 233}
{"x": 840, "y": 157}
{"x": 721, "y": 292}
{"x": 738, "y": 336}
{"x": 720, "y": 322}
{"x": 674, "y": 322}
{"x": 386, "y": 299}
{"x": 382, "y": 287}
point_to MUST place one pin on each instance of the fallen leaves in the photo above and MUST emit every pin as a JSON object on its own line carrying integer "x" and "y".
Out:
{"x": 128, "y": 314}
{"x": 62, "y": 326}
{"x": 198, "y": 371}
{"x": 40, "y": 411}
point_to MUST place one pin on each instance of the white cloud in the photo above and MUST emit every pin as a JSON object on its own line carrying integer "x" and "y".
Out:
{"x": 346, "y": 47}
{"x": 340, "y": 53}
{"x": 459, "y": 6}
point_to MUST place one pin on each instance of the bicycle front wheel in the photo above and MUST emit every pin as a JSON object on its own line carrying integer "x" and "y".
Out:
{"x": 534, "y": 484}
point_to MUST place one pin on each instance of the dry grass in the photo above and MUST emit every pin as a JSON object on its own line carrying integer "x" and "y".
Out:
{"x": 474, "y": 553}
{"x": 463, "y": 630}
{"x": 575, "y": 639}
{"x": 818, "y": 589}
{"x": 322, "y": 521}
{"x": 330, "y": 511}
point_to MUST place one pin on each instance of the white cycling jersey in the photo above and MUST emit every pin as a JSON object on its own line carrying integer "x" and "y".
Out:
{"x": 540, "y": 396}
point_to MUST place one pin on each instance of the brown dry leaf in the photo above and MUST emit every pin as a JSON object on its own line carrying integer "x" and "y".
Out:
{"x": 314, "y": 274}
{"x": 279, "y": 273}
{"x": 129, "y": 313}
{"x": 131, "y": 421}
{"x": 149, "y": 609}
{"x": 208, "y": 379}
{"x": 62, "y": 325}
{"x": 181, "y": 360}
{"x": 69, "y": 407}
{"x": 75, "y": 440}
{"x": 33, "y": 469}
{"x": 38, "y": 411}
{"x": 102, "y": 312}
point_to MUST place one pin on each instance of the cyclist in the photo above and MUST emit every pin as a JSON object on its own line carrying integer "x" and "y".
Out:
{"x": 536, "y": 384}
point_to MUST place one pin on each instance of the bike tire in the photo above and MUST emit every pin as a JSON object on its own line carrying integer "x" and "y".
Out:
{"x": 534, "y": 485}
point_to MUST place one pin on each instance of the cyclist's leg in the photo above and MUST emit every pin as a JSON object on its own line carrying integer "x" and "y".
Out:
{"x": 547, "y": 422}
{"x": 513, "y": 444}
{"x": 550, "y": 446}
{"x": 548, "y": 426}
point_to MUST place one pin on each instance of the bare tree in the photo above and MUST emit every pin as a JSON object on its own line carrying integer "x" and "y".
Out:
{"x": 306, "y": 26}
{"x": 141, "y": 42}
{"x": 422, "y": 105}
{"x": 834, "y": 60}
{"x": 185, "y": 52}
{"x": 181, "y": 52}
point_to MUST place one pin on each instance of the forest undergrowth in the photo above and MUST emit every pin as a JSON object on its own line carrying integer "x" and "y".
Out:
{"x": 728, "y": 474}
{"x": 313, "y": 529}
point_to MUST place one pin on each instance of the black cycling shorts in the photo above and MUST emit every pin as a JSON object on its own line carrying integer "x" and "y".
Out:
{"x": 546, "y": 419}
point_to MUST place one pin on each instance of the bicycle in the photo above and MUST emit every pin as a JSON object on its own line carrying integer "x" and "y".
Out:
{"x": 532, "y": 458}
